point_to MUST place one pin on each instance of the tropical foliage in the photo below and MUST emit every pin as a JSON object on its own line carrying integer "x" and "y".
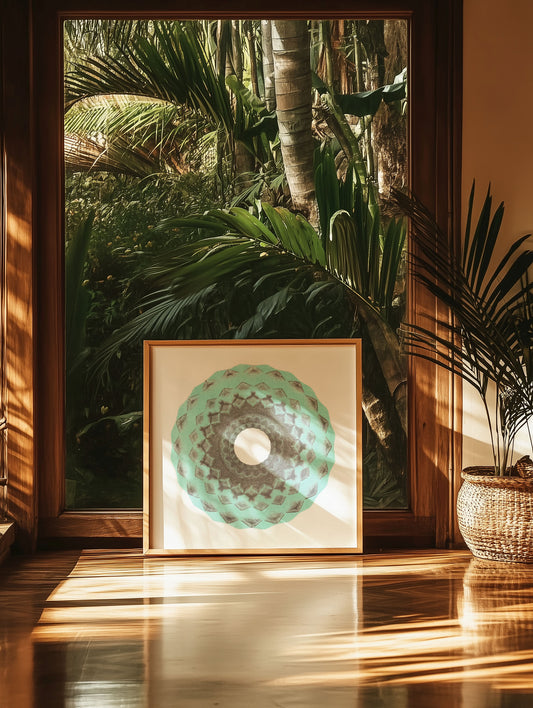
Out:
{"x": 175, "y": 132}
{"x": 489, "y": 341}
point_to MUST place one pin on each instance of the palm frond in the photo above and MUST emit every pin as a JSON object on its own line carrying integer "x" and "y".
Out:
{"x": 361, "y": 250}
{"x": 487, "y": 299}
{"x": 170, "y": 65}
{"x": 365, "y": 261}
{"x": 90, "y": 37}
{"x": 163, "y": 316}
{"x": 143, "y": 119}
{"x": 83, "y": 154}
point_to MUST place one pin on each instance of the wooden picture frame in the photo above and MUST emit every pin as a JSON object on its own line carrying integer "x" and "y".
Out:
{"x": 252, "y": 447}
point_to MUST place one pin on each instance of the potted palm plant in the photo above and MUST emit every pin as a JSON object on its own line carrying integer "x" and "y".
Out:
{"x": 487, "y": 341}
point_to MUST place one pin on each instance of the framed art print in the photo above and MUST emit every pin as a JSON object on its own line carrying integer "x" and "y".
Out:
{"x": 252, "y": 447}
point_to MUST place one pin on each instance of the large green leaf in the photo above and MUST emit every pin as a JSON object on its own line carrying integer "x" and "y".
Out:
{"x": 364, "y": 103}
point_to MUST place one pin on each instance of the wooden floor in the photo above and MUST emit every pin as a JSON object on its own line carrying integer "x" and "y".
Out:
{"x": 99, "y": 629}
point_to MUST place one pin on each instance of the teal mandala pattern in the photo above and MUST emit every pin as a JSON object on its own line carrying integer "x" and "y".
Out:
{"x": 301, "y": 446}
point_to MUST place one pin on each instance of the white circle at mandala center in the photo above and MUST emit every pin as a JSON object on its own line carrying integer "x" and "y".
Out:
{"x": 252, "y": 446}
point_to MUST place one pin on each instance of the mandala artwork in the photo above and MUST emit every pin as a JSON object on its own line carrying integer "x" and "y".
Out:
{"x": 292, "y": 458}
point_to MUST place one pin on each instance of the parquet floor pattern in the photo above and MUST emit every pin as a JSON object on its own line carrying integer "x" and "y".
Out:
{"x": 102, "y": 629}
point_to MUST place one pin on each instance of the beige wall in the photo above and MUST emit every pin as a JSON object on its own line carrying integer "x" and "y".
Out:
{"x": 497, "y": 136}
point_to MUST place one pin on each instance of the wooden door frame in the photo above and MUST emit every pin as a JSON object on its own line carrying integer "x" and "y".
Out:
{"x": 435, "y": 123}
{"x": 17, "y": 216}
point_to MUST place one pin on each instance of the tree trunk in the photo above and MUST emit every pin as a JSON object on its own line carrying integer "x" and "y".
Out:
{"x": 382, "y": 410}
{"x": 328, "y": 54}
{"x": 237, "y": 48}
{"x": 358, "y": 56}
{"x": 268, "y": 65}
{"x": 390, "y": 123}
{"x": 393, "y": 367}
{"x": 223, "y": 60}
{"x": 292, "y": 71}
{"x": 253, "y": 60}
{"x": 392, "y": 440}
{"x": 229, "y": 50}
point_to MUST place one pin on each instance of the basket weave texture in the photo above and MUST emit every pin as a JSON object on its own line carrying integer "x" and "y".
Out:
{"x": 495, "y": 515}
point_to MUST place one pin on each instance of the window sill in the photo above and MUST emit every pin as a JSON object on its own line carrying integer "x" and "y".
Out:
{"x": 93, "y": 524}
{"x": 383, "y": 530}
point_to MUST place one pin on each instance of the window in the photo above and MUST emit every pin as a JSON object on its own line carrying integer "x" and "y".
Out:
{"x": 432, "y": 168}
{"x": 147, "y": 149}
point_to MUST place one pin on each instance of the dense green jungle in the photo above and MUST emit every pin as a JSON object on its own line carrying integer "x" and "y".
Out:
{"x": 230, "y": 179}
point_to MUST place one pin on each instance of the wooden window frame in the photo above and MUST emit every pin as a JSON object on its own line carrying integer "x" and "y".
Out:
{"x": 17, "y": 216}
{"x": 434, "y": 397}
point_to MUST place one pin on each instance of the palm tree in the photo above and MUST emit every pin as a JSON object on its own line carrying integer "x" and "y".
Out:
{"x": 490, "y": 338}
{"x": 269, "y": 83}
{"x": 292, "y": 71}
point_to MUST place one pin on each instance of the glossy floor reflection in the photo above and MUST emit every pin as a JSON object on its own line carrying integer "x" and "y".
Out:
{"x": 100, "y": 629}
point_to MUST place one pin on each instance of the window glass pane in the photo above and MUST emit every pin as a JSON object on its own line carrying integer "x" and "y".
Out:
{"x": 166, "y": 120}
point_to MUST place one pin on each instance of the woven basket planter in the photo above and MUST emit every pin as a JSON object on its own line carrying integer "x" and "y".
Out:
{"x": 495, "y": 515}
